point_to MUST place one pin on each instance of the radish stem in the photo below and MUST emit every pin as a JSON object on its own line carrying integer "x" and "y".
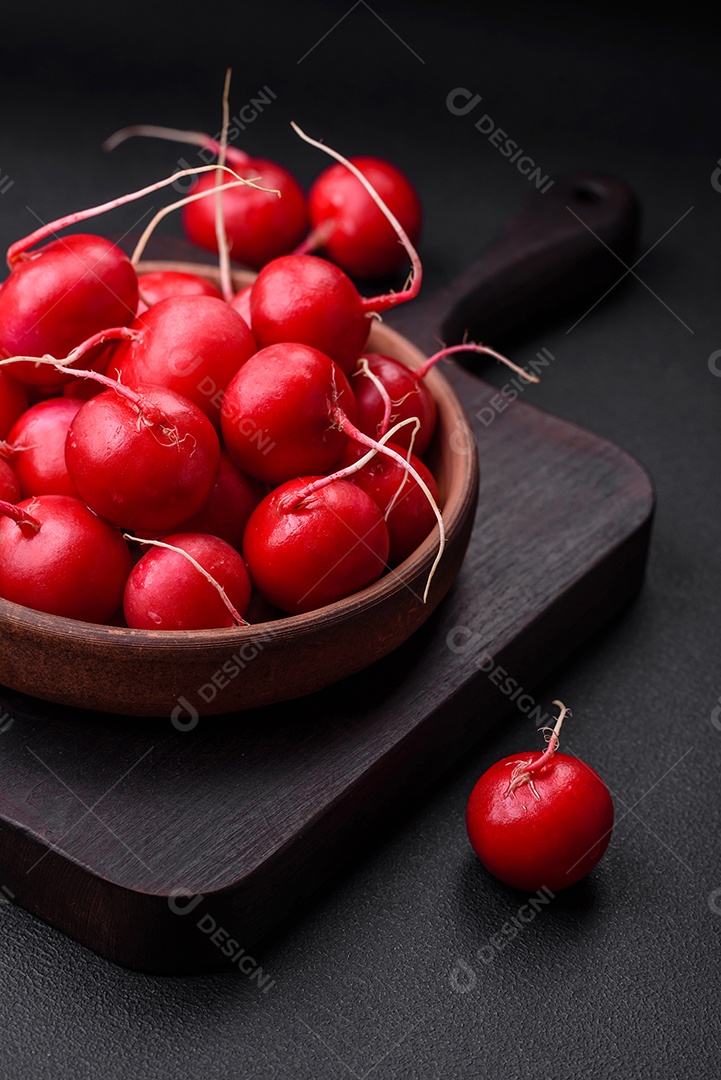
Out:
{"x": 388, "y": 300}
{"x": 525, "y": 771}
{"x": 291, "y": 502}
{"x": 364, "y": 369}
{"x": 29, "y": 525}
{"x": 191, "y": 138}
{"x": 226, "y": 277}
{"x": 123, "y": 333}
{"x": 20, "y": 247}
{"x": 315, "y": 239}
{"x": 471, "y": 346}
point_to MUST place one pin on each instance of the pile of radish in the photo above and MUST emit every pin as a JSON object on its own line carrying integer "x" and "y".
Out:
{"x": 169, "y": 450}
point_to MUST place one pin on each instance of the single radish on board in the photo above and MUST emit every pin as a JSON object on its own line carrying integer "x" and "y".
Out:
{"x": 306, "y": 299}
{"x": 192, "y": 345}
{"x": 277, "y": 417}
{"x": 348, "y": 225}
{"x": 330, "y": 545}
{"x": 57, "y": 556}
{"x": 259, "y": 224}
{"x": 143, "y": 458}
{"x": 542, "y": 819}
{"x": 158, "y": 285}
{"x": 13, "y": 402}
{"x": 165, "y": 591}
{"x": 36, "y": 447}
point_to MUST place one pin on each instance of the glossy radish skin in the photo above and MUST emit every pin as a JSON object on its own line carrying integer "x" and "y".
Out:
{"x": 231, "y": 502}
{"x": 409, "y": 397}
{"x": 13, "y": 402}
{"x": 259, "y": 225}
{"x": 552, "y": 838}
{"x": 9, "y": 486}
{"x": 37, "y": 444}
{"x": 166, "y": 592}
{"x": 357, "y": 235}
{"x": 158, "y": 285}
{"x": 306, "y": 299}
{"x": 74, "y": 564}
{"x": 192, "y": 345}
{"x": 144, "y": 468}
{"x": 277, "y": 413}
{"x": 241, "y": 303}
{"x": 60, "y": 295}
{"x": 411, "y": 518}
{"x": 329, "y": 547}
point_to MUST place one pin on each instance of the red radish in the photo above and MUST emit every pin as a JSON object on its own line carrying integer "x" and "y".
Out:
{"x": 405, "y": 506}
{"x": 410, "y": 397}
{"x": 374, "y": 447}
{"x": 277, "y": 416}
{"x": 37, "y": 447}
{"x": 192, "y": 345}
{"x": 13, "y": 402}
{"x": 59, "y": 296}
{"x": 9, "y": 486}
{"x": 143, "y": 459}
{"x": 165, "y": 591}
{"x": 304, "y": 298}
{"x": 231, "y": 502}
{"x": 57, "y": 556}
{"x": 304, "y": 556}
{"x": 160, "y": 284}
{"x": 348, "y": 225}
{"x": 543, "y": 820}
{"x": 259, "y": 225}
{"x": 241, "y": 303}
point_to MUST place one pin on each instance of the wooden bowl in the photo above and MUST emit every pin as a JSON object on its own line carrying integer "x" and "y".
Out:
{"x": 186, "y": 674}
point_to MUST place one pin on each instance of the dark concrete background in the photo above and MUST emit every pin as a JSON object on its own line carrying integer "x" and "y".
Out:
{"x": 392, "y": 972}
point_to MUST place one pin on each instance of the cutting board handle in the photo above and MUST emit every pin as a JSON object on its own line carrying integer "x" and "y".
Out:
{"x": 564, "y": 248}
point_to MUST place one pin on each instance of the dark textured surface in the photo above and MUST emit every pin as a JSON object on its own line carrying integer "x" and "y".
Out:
{"x": 392, "y": 973}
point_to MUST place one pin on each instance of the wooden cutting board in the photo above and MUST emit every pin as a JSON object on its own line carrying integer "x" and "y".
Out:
{"x": 179, "y": 848}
